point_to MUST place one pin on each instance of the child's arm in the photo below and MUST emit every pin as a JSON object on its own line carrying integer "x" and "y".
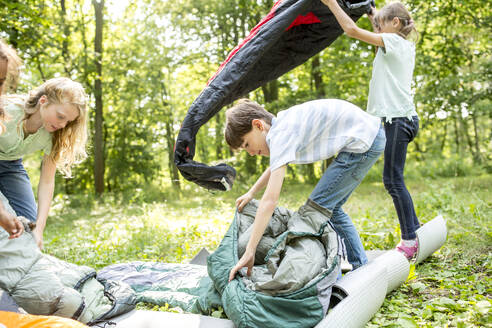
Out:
{"x": 350, "y": 28}
{"x": 10, "y": 223}
{"x": 46, "y": 187}
{"x": 259, "y": 185}
{"x": 263, "y": 214}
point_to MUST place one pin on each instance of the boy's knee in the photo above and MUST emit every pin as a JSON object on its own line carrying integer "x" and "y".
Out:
{"x": 340, "y": 218}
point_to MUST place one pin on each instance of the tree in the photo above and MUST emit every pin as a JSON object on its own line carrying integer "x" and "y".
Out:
{"x": 98, "y": 95}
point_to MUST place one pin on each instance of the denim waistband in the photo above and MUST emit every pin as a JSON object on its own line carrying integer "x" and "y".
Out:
{"x": 414, "y": 117}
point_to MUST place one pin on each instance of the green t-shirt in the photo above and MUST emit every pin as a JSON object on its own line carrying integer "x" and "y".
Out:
{"x": 13, "y": 145}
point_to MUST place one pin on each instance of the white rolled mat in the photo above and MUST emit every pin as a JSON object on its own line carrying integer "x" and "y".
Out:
{"x": 365, "y": 289}
{"x": 154, "y": 319}
{"x": 361, "y": 293}
{"x": 397, "y": 266}
{"x": 431, "y": 237}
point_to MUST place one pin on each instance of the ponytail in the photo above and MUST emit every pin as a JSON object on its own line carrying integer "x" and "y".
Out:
{"x": 407, "y": 25}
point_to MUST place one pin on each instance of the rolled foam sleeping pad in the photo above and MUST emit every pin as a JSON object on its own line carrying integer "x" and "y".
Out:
{"x": 397, "y": 266}
{"x": 155, "y": 319}
{"x": 364, "y": 290}
{"x": 431, "y": 237}
{"x": 353, "y": 305}
{"x": 356, "y": 297}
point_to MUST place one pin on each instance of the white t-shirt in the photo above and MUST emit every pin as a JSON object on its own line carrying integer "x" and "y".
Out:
{"x": 318, "y": 130}
{"x": 390, "y": 88}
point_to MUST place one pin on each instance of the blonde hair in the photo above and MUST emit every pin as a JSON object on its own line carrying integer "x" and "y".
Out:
{"x": 407, "y": 25}
{"x": 69, "y": 142}
{"x": 14, "y": 63}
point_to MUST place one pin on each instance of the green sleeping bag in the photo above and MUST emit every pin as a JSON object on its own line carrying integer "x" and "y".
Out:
{"x": 296, "y": 264}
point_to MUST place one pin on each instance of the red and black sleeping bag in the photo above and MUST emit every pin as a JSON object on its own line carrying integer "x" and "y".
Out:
{"x": 291, "y": 33}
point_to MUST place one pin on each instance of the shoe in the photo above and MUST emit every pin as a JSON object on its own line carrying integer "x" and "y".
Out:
{"x": 409, "y": 252}
{"x": 346, "y": 266}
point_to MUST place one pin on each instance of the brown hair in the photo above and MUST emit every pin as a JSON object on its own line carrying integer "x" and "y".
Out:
{"x": 239, "y": 118}
{"x": 69, "y": 142}
{"x": 397, "y": 9}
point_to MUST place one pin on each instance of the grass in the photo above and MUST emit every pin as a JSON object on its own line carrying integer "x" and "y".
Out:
{"x": 451, "y": 289}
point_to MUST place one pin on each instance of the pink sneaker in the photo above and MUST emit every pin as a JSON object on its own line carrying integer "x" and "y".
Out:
{"x": 409, "y": 252}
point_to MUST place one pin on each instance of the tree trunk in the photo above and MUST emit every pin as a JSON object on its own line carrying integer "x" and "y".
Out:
{"x": 65, "y": 41}
{"x": 218, "y": 136}
{"x": 457, "y": 135}
{"x": 85, "y": 47}
{"x": 317, "y": 77}
{"x": 98, "y": 133}
{"x": 40, "y": 69}
{"x": 468, "y": 139}
{"x": 325, "y": 164}
{"x": 476, "y": 139}
{"x": 270, "y": 91}
{"x": 173, "y": 170}
{"x": 309, "y": 172}
{"x": 445, "y": 134}
{"x": 170, "y": 137}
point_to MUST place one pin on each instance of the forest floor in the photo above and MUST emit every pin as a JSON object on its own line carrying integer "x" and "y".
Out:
{"x": 452, "y": 288}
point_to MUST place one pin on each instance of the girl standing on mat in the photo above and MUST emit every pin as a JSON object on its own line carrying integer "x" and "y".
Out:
{"x": 53, "y": 119}
{"x": 390, "y": 99}
{"x": 9, "y": 74}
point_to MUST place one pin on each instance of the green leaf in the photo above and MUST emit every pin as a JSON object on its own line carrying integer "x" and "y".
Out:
{"x": 412, "y": 274}
{"x": 418, "y": 286}
{"x": 217, "y": 314}
{"x": 406, "y": 323}
{"x": 427, "y": 313}
{"x": 483, "y": 307}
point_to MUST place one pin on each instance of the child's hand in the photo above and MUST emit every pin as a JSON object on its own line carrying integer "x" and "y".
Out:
{"x": 243, "y": 200}
{"x": 372, "y": 12}
{"x": 38, "y": 237}
{"x": 247, "y": 260}
{"x": 12, "y": 225}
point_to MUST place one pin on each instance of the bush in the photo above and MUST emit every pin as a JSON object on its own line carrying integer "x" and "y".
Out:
{"x": 453, "y": 166}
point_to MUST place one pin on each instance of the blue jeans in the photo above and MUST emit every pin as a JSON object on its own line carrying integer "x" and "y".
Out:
{"x": 399, "y": 133}
{"x": 16, "y": 187}
{"x": 338, "y": 182}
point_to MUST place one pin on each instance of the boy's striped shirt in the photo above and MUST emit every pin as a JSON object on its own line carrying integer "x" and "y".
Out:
{"x": 319, "y": 129}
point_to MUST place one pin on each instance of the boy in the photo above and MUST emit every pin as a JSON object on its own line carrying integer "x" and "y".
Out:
{"x": 306, "y": 133}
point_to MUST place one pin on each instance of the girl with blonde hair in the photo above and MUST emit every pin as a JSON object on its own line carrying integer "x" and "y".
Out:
{"x": 52, "y": 118}
{"x": 390, "y": 98}
{"x": 9, "y": 67}
{"x": 9, "y": 74}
